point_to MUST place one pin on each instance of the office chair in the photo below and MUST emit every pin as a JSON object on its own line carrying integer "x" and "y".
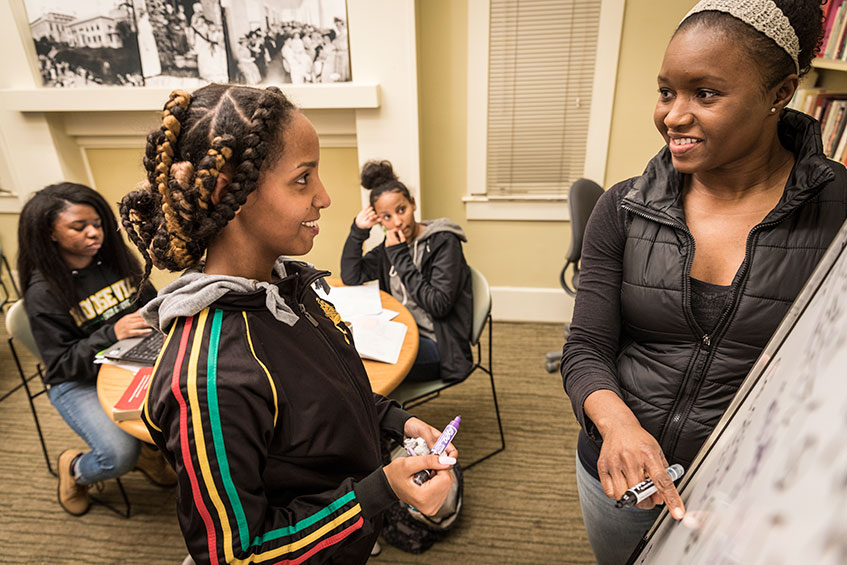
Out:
{"x": 410, "y": 394}
{"x": 582, "y": 197}
{"x": 17, "y": 324}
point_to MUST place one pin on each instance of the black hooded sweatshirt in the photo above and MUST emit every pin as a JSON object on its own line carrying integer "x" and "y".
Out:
{"x": 68, "y": 341}
{"x": 261, "y": 403}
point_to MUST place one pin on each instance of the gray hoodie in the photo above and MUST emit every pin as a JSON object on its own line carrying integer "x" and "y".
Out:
{"x": 416, "y": 249}
{"x": 194, "y": 291}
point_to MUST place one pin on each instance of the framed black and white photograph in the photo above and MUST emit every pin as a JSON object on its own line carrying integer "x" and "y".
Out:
{"x": 287, "y": 41}
{"x": 85, "y": 43}
{"x": 181, "y": 42}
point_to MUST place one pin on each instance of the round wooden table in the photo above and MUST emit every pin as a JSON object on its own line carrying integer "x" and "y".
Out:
{"x": 384, "y": 377}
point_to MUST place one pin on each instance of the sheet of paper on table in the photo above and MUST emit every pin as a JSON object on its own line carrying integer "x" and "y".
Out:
{"x": 387, "y": 314}
{"x": 351, "y": 302}
{"x": 378, "y": 339}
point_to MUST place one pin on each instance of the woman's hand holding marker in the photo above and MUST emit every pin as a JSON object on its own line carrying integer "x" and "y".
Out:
{"x": 630, "y": 454}
{"x": 418, "y": 428}
{"x": 429, "y": 496}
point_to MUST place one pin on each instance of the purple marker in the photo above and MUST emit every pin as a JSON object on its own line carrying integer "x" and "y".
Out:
{"x": 443, "y": 441}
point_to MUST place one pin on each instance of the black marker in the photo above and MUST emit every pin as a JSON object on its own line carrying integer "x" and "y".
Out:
{"x": 646, "y": 488}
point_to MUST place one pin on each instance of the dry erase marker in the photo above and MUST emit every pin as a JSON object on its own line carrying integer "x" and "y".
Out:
{"x": 443, "y": 441}
{"x": 646, "y": 488}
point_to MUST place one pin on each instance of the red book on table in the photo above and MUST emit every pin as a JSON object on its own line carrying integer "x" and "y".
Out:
{"x": 132, "y": 401}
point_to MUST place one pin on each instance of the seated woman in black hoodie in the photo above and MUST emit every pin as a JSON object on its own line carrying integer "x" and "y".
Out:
{"x": 422, "y": 266}
{"x": 80, "y": 280}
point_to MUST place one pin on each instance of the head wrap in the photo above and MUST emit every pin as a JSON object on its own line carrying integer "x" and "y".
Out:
{"x": 763, "y": 15}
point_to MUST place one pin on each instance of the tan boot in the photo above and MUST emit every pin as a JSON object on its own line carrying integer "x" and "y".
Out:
{"x": 73, "y": 497}
{"x": 155, "y": 467}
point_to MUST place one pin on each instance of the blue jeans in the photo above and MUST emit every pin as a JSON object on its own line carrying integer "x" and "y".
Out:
{"x": 113, "y": 451}
{"x": 612, "y": 532}
{"x": 427, "y": 365}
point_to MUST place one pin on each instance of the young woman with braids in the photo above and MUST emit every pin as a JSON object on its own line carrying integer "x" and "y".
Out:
{"x": 422, "y": 265}
{"x": 688, "y": 269}
{"x": 259, "y": 398}
{"x": 79, "y": 281}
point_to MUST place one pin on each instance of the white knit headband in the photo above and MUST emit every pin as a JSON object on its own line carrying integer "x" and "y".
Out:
{"x": 763, "y": 15}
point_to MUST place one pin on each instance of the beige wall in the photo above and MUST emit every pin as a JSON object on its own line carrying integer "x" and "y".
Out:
{"x": 647, "y": 28}
{"x": 523, "y": 254}
{"x": 509, "y": 253}
{"x": 9, "y": 241}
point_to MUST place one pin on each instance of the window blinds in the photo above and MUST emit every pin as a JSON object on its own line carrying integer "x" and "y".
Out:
{"x": 541, "y": 70}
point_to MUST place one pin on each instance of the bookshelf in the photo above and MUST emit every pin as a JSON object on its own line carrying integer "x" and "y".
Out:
{"x": 829, "y": 64}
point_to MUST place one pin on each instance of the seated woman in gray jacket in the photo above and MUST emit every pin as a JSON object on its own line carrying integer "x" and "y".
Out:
{"x": 422, "y": 265}
{"x": 664, "y": 331}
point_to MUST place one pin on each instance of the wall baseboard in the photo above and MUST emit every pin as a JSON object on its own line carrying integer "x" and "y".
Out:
{"x": 527, "y": 304}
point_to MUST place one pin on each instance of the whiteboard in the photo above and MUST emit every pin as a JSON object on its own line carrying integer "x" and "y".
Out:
{"x": 770, "y": 483}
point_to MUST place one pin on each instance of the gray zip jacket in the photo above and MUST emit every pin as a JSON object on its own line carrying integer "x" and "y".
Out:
{"x": 437, "y": 279}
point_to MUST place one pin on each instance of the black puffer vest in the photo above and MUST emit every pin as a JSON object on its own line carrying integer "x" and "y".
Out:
{"x": 677, "y": 379}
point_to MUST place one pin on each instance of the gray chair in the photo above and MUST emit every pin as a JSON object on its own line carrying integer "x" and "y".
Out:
{"x": 410, "y": 394}
{"x": 17, "y": 324}
{"x": 582, "y": 197}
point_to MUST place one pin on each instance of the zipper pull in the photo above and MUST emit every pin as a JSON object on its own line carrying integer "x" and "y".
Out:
{"x": 707, "y": 341}
{"x": 308, "y": 316}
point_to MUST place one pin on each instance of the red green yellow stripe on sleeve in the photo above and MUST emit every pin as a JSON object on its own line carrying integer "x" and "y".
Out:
{"x": 187, "y": 459}
{"x": 153, "y": 376}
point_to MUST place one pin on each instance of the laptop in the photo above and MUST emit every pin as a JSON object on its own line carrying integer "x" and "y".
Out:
{"x": 143, "y": 350}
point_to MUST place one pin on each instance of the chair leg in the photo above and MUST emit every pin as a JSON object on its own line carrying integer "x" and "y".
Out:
{"x": 490, "y": 372}
{"x": 127, "y": 507}
{"x": 30, "y": 397}
{"x": 11, "y": 277}
{"x": 499, "y": 425}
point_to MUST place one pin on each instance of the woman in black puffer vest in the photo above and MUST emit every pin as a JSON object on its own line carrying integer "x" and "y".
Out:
{"x": 664, "y": 332}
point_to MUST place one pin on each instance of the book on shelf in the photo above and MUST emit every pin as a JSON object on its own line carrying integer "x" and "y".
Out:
{"x": 830, "y": 109}
{"x": 129, "y": 406}
{"x": 829, "y": 10}
{"x": 804, "y": 98}
{"x": 835, "y": 30}
{"x": 835, "y": 127}
{"x": 840, "y": 150}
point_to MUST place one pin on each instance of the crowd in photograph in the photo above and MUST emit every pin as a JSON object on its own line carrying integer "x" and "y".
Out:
{"x": 294, "y": 52}
{"x": 64, "y": 74}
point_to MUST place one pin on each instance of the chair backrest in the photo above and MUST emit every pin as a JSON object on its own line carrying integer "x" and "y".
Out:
{"x": 17, "y": 324}
{"x": 582, "y": 198}
{"x": 481, "y": 304}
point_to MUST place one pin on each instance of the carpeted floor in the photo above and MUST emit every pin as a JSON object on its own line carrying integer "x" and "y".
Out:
{"x": 520, "y": 506}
